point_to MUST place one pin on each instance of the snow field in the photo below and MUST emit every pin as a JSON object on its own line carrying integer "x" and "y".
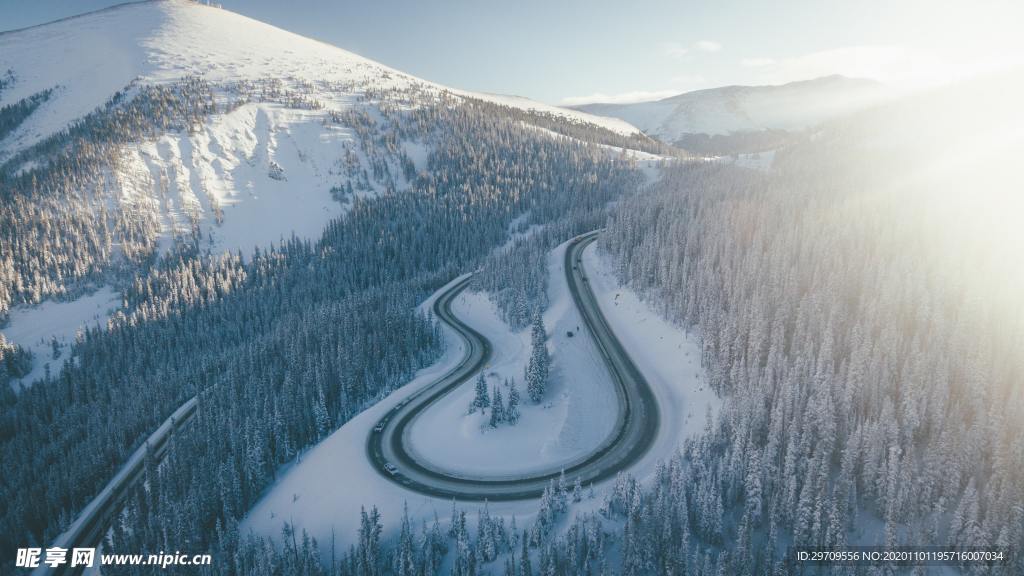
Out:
{"x": 249, "y": 178}
{"x": 35, "y": 327}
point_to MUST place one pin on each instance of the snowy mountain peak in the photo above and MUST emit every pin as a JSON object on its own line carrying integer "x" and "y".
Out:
{"x": 88, "y": 58}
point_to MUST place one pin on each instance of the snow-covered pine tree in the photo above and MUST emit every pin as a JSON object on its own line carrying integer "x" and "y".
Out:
{"x": 453, "y": 527}
{"x": 464, "y": 563}
{"x": 512, "y": 411}
{"x": 537, "y": 368}
{"x": 405, "y": 559}
{"x": 497, "y": 408}
{"x": 480, "y": 399}
{"x": 562, "y": 493}
{"x": 525, "y": 567}
{"x": 368, "y": 547}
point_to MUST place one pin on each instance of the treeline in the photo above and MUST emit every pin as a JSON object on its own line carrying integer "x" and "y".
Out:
{"x": 465, "y": 545}
{"x": 15, "y": 362}
{"x": 6, "y": 80}
{"x": 284, "y": 356}
{"x": 59, "y": 217}
{"x": 578, "y": 129}
{"x": 62, "y": 219}
{"x": 12, "y": 115}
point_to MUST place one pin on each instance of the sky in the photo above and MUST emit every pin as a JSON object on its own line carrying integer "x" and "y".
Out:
{"x": 580, "y": 51}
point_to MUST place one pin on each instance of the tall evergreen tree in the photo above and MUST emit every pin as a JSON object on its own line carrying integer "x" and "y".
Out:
{"x": 512, "y": 411}
{"x": 481, "y": 399}
{"x": 368, "y": 547}
{"x": 525, "y": 567}
{"x": 537, "y": 367}
{"x": 497, "y": 408}
{"x": 405, "y": 561}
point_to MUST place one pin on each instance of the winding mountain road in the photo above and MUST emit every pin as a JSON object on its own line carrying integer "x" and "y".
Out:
{"x": 633, "y": 433}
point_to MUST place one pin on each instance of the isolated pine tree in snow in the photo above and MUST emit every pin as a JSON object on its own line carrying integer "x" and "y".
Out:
{"x": 497, "y": 409}
{"x": 481, "y": 399}
{"x": 512, "y": 412}
{"x": 537, "y": 368}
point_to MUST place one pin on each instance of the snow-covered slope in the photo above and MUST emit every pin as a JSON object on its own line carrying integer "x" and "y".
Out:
{"x": 734, "y": 109}
{"x": 49, "y": 330}
{"x": 90, "y": 57}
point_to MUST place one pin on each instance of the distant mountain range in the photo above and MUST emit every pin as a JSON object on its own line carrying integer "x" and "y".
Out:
{"x": 726, "y": 113}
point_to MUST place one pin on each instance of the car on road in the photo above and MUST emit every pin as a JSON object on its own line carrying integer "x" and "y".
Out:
{"x": 380, "y": 426}
{"x": 391, "y": 469}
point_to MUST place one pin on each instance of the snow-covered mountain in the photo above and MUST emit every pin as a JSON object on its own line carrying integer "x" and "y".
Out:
{"x": 91, "y": 56}
{"x": 245, "y": 177}
{"x": 167, "y": 126}
{"x": 742, "y": 109}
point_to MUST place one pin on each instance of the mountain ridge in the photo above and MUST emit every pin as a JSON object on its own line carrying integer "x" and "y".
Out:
{"x": 740, "y": 108}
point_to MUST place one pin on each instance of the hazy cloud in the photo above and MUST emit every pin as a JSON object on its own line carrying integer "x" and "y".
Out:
{"x": 707, "y": 46}
{"x": 892, "y": 64}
